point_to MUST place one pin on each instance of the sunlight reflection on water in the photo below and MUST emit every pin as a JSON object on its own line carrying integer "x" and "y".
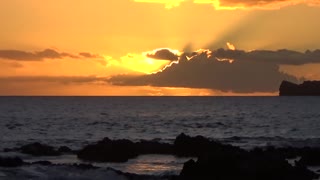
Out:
{"x": 151, "y": 164}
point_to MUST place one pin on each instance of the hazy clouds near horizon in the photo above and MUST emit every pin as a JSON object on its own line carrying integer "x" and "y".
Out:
{"x": 225, "y": 70}
{"x": 18, "y": 55}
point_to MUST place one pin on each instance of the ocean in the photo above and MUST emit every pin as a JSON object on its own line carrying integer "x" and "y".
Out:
{"x": 247, "y": 122}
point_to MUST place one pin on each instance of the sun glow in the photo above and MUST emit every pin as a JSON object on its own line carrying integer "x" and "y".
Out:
{"x": 168, "y": 3}
{"x": 138, "y": 63}
{"x": 207, "y": 52}
{"x": 165, "y": 67}
{"x": 231, "y": 46}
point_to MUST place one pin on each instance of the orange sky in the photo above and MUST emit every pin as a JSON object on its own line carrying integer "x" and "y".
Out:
{"x": 74, "y": 47}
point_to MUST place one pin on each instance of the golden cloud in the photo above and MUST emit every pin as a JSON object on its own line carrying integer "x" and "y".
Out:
{"x": 236, "y": 4}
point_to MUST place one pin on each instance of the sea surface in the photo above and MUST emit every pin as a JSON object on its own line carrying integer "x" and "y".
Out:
{"x": 77, "y": 121}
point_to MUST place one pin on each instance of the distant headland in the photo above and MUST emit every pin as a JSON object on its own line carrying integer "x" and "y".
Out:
{"x": 307, "y": 88}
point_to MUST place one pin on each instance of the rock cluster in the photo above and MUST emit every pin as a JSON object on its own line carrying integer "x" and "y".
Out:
{"x": 121, "y": 150}
{"x": 215, "y": 160}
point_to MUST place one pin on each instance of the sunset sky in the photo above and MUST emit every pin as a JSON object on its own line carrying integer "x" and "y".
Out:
{"x": 157, "y": 47}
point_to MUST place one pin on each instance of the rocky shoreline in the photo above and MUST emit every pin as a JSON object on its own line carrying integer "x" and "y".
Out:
{"x": 214, "y": 159}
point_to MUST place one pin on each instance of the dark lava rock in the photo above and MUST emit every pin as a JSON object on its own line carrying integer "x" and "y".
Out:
{"x": 10, "y": 162}
{"x": 283, "y": 152}
{"x": 108, "y": 151}
{"x": 307, "y": 88}
{"x": 153, "y": 147}
{"x": 37, "y": 149}
{"x": 247, "y": 167}
{"x": 217, "y": 161}
{"x": 121, "y": 150}
{"x": 200, "y": 146}
{"x": 309, "y": 156}
{"x": 64, "y": 149}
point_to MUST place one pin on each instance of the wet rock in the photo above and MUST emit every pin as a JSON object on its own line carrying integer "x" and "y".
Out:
{"x": 283, "y": 153}
{"x": 37, "y": 149}
{"x": 153, "y": 147}
{"x": 108, "y": 151}
{"x": 11, "y": 162}
{"x": 121, "y": 150}
{"x": 225, "y": 162}
{"x": 199, "y": 146}
{"x": 64, "y": 149}
{"x": 309, "y": 157}
{"x": 213, "y": 168}
{"x": 216, "y": 161}
{"x": 244, "y": 165}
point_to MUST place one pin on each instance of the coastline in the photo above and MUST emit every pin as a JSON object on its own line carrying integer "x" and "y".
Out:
{"x": 211, "y": 159}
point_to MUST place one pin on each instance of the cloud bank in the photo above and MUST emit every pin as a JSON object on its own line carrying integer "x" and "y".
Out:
{"x": 225, "y": 70}
{"x": 236, "y": 4}
{"x": 41, "y": 55}
{"x": 89, "y": 55}
{"x": 56, "y": 79}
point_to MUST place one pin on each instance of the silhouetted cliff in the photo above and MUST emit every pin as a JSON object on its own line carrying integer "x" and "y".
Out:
{"x": 307, "y": 88}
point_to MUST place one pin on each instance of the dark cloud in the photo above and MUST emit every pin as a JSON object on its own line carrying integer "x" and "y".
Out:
{"x": 236, "y": 4}
{"x": 16, "y": 55}
{"x": 89, "y": 55}
{"x": 250, "y": 3}
{"x": 56, "y": 79}
{"x": 163, "y": 54}
{"x": 41, "y": 55}
{"x": 33, "y": 56}
{"x": 226, "y": 70}
{"x": 265, "y": 3}
{"x": 280, "y": 57}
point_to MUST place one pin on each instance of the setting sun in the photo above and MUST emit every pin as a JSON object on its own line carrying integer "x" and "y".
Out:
{"x": 109, "y": 47}
{"x": 138, "y": 63}
{"x": 160, "y": 89}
